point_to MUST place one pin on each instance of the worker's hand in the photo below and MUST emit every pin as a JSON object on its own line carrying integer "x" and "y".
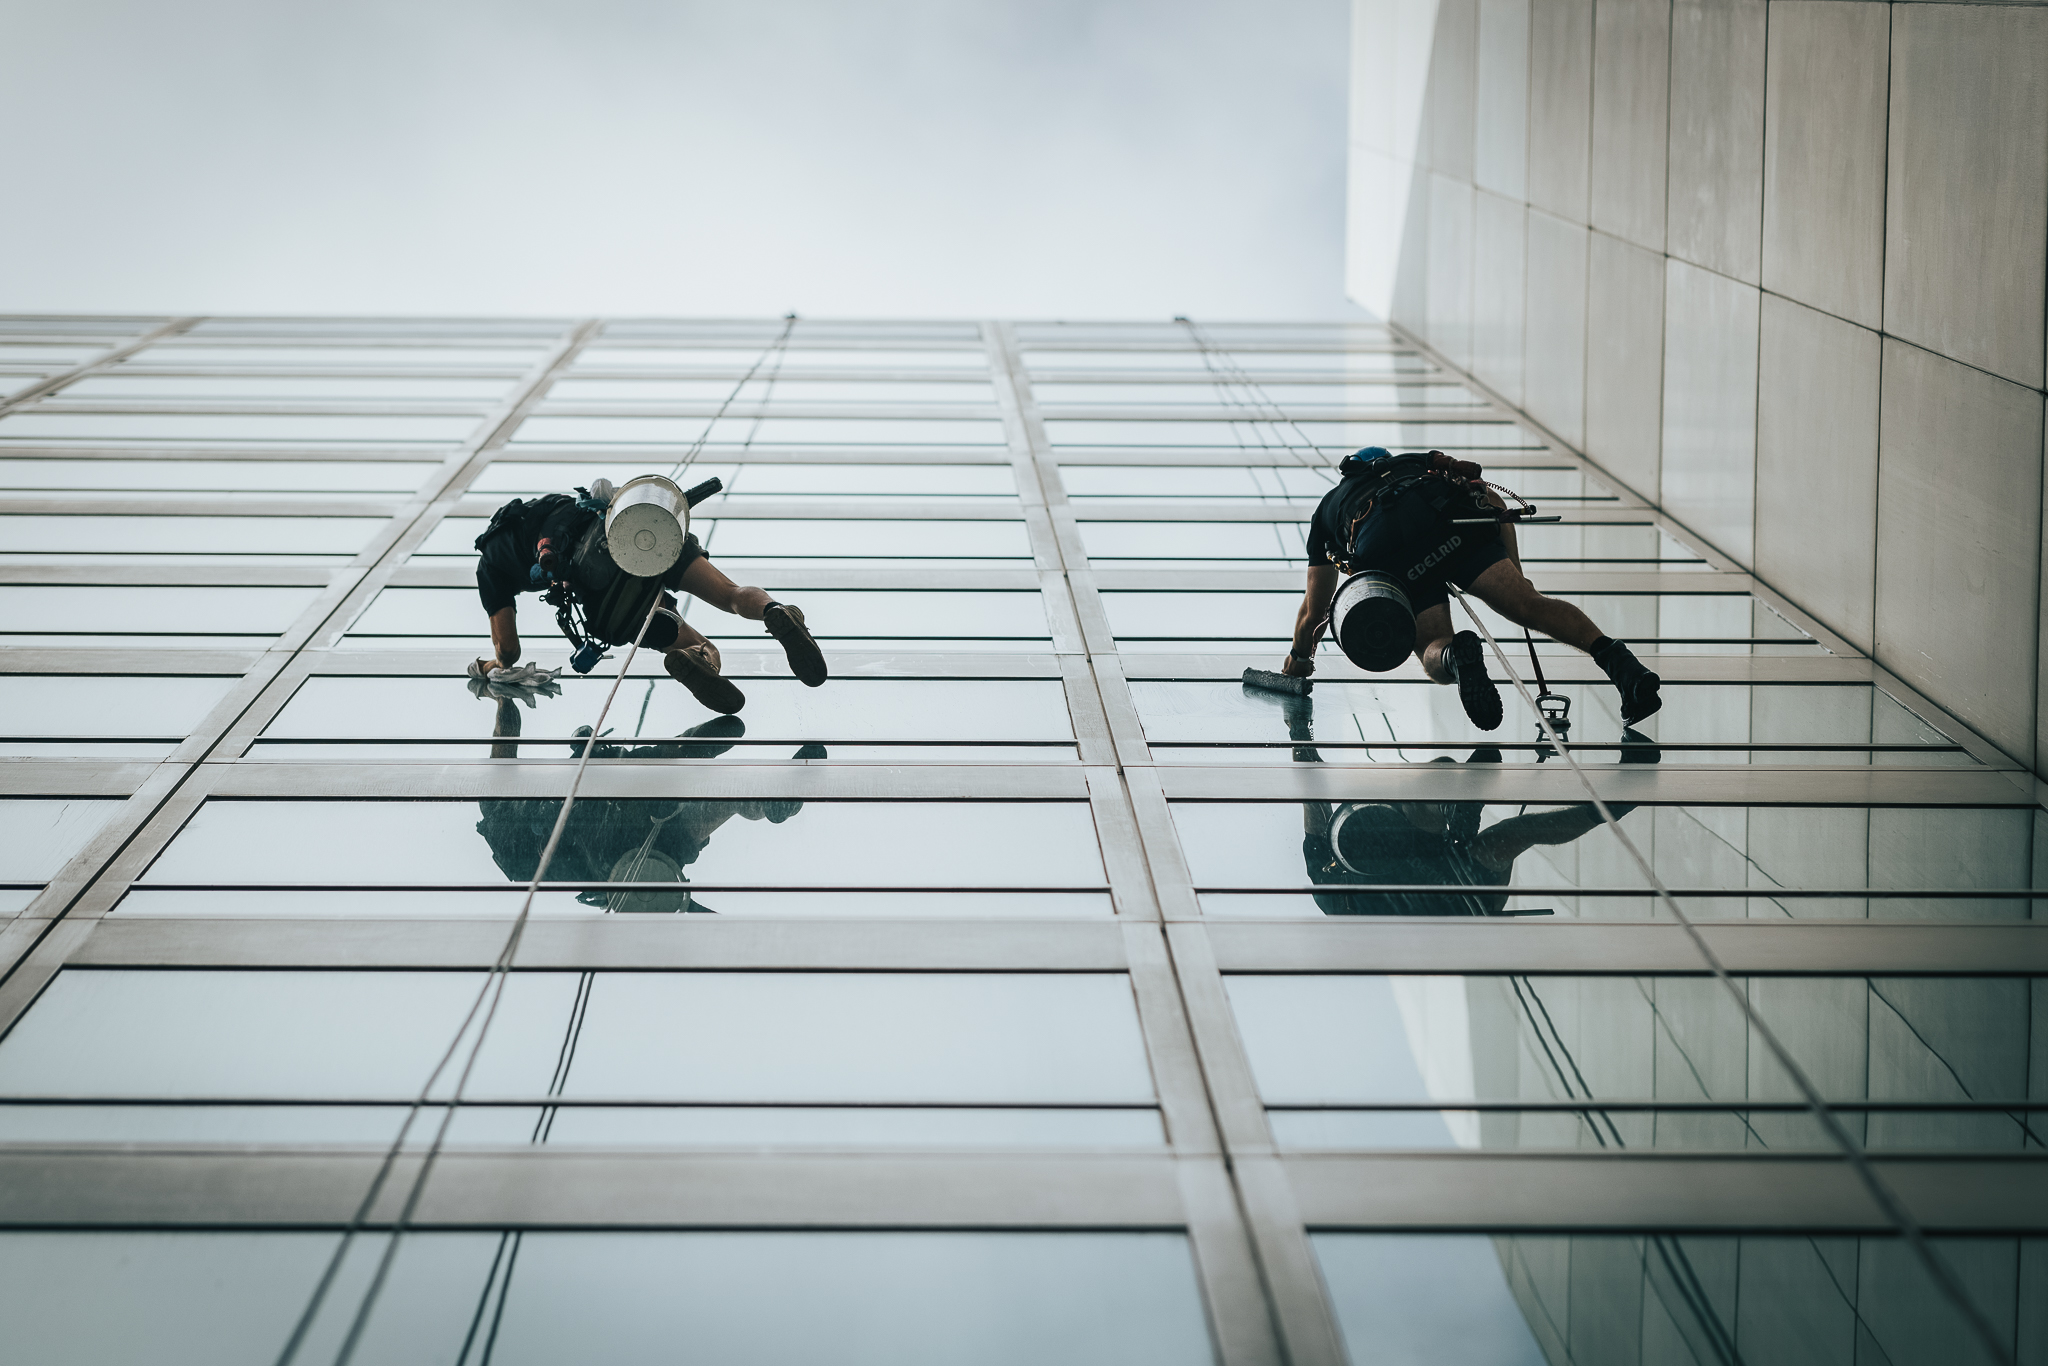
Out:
{"x": 1466, "y": 469}
{"x": 481, "y": 668}
{"x": 1298, "y": 668}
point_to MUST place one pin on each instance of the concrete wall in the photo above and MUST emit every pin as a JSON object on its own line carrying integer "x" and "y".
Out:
{"x": 1778, "y": 265}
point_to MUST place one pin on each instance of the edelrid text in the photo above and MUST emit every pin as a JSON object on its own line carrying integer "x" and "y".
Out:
{"x": 1433, "y": 556}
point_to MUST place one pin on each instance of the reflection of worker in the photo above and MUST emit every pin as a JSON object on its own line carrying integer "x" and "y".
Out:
{"x": 530, "y": 545}
{"x": 630, "y": 840}
{"x": 1389, "y": 521}
{"x": 1436, "y": 844}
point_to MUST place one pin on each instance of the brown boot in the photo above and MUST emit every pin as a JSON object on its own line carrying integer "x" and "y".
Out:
{"x": 691, "y": 667}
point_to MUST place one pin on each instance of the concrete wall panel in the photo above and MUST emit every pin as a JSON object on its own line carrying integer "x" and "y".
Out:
{"x": 1499, "y": 246}
{"x": 1709, "y": 469}
{"x": 1631, "y": 45}
{"x": 1816, "y": 465}
{"x": 1824, "y": 141}
{"x": 1451, "y": 103}
{"x": 1717, "y": 134}
{"x": 1966, "y": 223}
{"x": 1560, "y": 104}
{"x": 1625, "y": 360}
{"x": 1958, "y": 538}
{"x": 1390, "y": 65}
{"x": 1554, "y": 358}
{"x": 1500, "y": 157}
{"x": 1450, "y": 267}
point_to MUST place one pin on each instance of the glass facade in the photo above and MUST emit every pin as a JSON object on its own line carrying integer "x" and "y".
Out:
{"x": 1034, "y": 990}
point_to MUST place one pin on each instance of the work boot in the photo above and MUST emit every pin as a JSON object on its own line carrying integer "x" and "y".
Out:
{"x": 1466, "y": 659}
{"x": 1636, "y": 684}
{"x": 689, "y": 668}
{"x": 806, "y": 660}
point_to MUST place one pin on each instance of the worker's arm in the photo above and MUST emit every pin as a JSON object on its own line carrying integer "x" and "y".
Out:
{"x": 1308, "y": 622}
{"x": 505, "y": 636}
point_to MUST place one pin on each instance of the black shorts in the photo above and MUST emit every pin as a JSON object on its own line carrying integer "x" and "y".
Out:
{"x": 1411, "y": 539}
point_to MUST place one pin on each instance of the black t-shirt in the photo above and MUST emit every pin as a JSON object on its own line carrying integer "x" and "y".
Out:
{"x": 1329, "y": 526}
{"x": 504, "y": 566}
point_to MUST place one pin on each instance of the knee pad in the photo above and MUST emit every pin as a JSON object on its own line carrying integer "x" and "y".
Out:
{"x": 664, "y": 630}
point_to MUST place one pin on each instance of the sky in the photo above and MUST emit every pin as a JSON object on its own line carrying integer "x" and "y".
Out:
{"x": 882, "y": 158}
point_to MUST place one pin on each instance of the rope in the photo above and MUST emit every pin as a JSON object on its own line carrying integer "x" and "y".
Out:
{"x": 492, "y": 991}
{"x": 1234, "y": 375}
{"x": 1881, "y": 1194}
{"x": 775, "y": 347}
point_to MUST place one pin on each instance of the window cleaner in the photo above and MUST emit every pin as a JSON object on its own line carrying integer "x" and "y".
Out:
{"x": 603, "y": 557}
{"x": 1382, "y": 546}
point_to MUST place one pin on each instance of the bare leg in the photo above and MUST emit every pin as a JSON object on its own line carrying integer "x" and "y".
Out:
{"x": 1505, "y": 589}
{"x": 1432, "y": 637}
{"x": 706, "y": 581}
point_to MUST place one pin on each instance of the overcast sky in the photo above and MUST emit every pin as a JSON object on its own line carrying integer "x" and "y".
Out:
{"x": 1021, "y": 158}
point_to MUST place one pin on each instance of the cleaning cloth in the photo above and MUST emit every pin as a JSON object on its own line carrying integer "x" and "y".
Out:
{"x": 520, "y": 682}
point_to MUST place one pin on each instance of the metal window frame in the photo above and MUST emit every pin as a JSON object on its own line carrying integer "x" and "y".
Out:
{"x": 1247, "y": 1206}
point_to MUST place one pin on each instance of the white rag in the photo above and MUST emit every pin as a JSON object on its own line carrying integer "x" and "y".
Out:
{"x": 521, "y": 682}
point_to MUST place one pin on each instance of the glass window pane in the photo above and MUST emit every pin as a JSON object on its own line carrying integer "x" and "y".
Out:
{"x": 742, "y": 1037}
{"x": 1291, "y": 396}
{"x": 600, "y": 358}
{"x": 1248, "y": 483}
{"x": 1682, "y": 1042}
{"x": 119, "y": 383}
{"x": 300, "y": 478}
{"x": 777, "y": 709}
{"x": 201, "y": 537}
{"x": 1338, "y": 362}
{"x": 862, "y": 537}
{"x": 721, "y": 841}
{"x": 97, "y": 611}
{"x": 837, "y": 614}
{"x": 42, "y": 833}
{"x": 1332, "y": 438}
{"x": 758, "y": 480}
{"x": 34, "y": 426}
{"x": 515, "y": 360}
{"x": 581, "y": 389}
{"x": 1402, "y": 718}
{"x": 763, "y": 1298}
{"x": 1423, "y": 1297}
{"x": 771, "y": 431}
{"x": 96, "y": 709}
{"x": 529, "y": 478}
{"x": 1528, "y": 1299}
{"x": 213, "y": 903}
{"x": 1728, "y": 861}
{"x": 1285, "y": 541}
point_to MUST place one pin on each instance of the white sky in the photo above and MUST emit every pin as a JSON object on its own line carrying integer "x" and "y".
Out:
{"x": 1020, "y": 158}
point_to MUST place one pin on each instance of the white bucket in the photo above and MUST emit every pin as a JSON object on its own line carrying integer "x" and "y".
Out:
{"x": 645, "y": 526}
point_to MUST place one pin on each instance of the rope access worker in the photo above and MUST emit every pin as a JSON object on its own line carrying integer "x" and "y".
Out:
{"x": 556, "y": 546}
{"x": 1388, "y": 524}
